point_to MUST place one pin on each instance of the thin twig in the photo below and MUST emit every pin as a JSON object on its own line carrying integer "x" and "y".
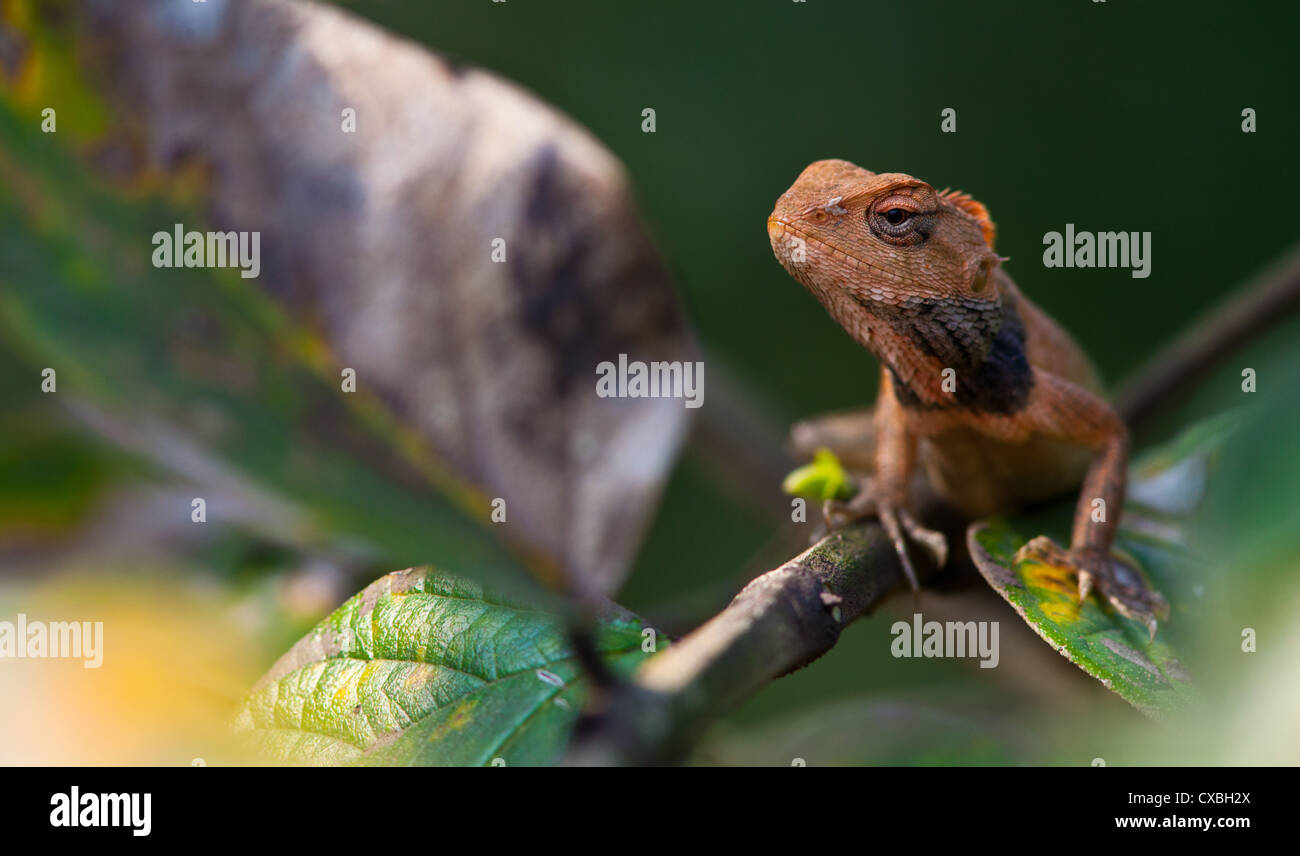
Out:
{"x": 779, "y": 622}
{"x": 1265, "y": 300}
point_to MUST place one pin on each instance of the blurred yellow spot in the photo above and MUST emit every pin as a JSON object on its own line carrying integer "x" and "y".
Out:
{"x": 176, "y": 662}
{"x": 456, "y": 720}
{"x": 1057, "y": 589}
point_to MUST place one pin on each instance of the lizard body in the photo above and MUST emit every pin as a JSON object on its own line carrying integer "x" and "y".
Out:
{"x": 980, "y": 387}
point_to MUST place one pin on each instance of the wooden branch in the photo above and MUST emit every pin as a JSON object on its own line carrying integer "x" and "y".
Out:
{"x": 779, "y": 622}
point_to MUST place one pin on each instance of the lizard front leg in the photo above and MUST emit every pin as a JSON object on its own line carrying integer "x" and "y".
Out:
{"x": 885, "y": 494}
{"x": 1065, "y": 411}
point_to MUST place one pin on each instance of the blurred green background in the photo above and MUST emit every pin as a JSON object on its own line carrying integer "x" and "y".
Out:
{"x": 1105, "y": 115}
{"x": 1110, "y": 116}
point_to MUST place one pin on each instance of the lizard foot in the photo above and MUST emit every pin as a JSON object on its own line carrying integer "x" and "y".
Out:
{"x": 899, "y": 524}
{"x": 1114, "y": 578}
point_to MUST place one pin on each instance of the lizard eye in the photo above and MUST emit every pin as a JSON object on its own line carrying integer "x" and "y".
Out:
{"x": 897, "y": 220}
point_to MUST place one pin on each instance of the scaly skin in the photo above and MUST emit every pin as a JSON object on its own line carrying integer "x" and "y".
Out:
{"x": 979, "y": 385}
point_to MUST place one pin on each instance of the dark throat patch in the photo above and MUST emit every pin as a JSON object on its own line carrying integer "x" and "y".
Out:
{"x": 982, "y": 341}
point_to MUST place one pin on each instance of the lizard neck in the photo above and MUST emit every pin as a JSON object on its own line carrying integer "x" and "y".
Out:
{"x": 981, "y": 342}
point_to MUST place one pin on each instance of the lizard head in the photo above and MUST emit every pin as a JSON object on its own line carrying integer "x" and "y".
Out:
{"x": 888, "y": 248}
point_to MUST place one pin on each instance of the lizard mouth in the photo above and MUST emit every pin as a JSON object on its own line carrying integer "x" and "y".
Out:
{"x": 779, "y": 228}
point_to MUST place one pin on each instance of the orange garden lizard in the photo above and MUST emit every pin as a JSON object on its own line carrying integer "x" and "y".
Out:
{"x": 989, "y": 394}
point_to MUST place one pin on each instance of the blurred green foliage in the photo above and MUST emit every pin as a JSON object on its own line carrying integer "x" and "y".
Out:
{"x": 1108, "y": 116}
{"x": 424, "y": 669}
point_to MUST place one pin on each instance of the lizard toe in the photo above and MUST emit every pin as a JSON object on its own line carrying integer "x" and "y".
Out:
{"x": 935, "y": 543}
{"x": 1117, "y": 582}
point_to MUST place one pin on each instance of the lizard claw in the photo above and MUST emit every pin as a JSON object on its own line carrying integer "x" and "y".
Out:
{"x": 837, "y": 514}
{"x": 898, "y": 522}
{"x": 1085, "y": 584}
{"x": 935, "y": 543}
{"x": 889, "y": 519}
{"x": 1117, "y": 581}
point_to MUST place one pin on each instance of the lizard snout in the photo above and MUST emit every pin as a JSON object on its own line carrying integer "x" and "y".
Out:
{"x": 787, "y": 251}
{"x": 775, "y": 228}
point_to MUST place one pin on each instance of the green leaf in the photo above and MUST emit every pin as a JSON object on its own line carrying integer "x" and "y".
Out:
{"x": 422, "y": 668}
{"x": 823, "y": 479}
{"x": 1113, "y": 649}
{"x": 1166, "y": 484}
